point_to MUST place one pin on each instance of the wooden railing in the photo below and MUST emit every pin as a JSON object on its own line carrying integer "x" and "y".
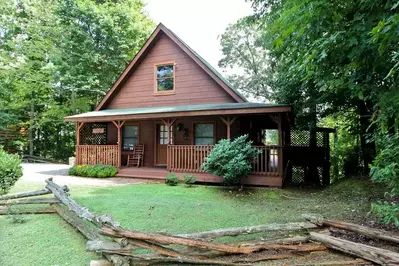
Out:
{"x": 267, "y": 162}
{"x": 189, "y": 158}
{"x": 97, "y": 154}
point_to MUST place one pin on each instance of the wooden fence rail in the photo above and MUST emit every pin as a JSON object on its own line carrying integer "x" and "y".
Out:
{"x": 189, "y": 158}
{"x": 97, "y": 154}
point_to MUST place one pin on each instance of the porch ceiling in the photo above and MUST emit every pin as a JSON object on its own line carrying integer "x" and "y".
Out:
{"x": 180, "y": 111}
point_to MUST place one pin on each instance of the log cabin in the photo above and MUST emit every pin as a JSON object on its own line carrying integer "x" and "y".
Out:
{"x": 173, "y": 104}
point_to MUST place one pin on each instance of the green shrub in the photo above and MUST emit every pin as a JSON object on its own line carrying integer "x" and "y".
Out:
{"x": 171, "y": 179}
{"x": 385, "y": 169}
{"x": 10, "y": 170}
{"x": 189, "y": 179}
{"x": 231, "y": 159}
{"x": 98, "y": 170}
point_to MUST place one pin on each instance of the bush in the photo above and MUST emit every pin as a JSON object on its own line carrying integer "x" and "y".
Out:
{"x": 189, "y": 179}
{"x": 10, "y": 170}
{"x": 231, "y": 159}
{"x": 385, "y": 169}
{"x": 171, "y": 179}
{"x": 98, "y": 170}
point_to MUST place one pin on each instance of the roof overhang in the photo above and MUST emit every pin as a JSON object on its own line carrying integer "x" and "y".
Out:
{"x": 179, "y": 111}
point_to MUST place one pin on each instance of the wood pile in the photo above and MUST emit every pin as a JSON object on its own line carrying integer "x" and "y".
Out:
{"x": 117, "y": 244}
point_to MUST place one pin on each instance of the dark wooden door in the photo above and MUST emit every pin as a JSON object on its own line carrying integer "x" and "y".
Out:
{"x": 162, "y": 144}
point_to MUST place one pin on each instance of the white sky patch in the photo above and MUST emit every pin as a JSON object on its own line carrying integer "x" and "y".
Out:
{"x": 199, "y": 23}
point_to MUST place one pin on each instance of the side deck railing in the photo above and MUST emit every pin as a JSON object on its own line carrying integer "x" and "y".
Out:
{"x": 97, "y": 154}
{"x": 189, "y": 158}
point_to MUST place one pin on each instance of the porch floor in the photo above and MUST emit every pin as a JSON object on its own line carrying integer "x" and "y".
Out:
{"x": 160, "y": 173}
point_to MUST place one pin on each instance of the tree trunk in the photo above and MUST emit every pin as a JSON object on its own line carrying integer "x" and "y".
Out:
{"x": 377, "y": 255}
{"x": 367, "y": 146}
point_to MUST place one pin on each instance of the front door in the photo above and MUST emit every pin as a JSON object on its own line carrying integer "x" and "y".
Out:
{"x": 162, "y": 144}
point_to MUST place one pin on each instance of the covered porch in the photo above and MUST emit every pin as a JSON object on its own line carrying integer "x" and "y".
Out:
{"x": 178, "y": 139}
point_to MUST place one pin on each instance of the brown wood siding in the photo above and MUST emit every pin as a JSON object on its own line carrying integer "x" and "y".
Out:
{"x": 193, "y": 85}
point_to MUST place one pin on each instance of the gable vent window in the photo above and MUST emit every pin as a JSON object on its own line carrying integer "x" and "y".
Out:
{"x": 165, "y": 78}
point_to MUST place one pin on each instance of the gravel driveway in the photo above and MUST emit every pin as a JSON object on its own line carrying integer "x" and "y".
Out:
{"x": 38, "y": 172}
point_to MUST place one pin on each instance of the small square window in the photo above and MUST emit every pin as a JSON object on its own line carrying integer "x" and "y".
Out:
{"x": 165, "y": 78}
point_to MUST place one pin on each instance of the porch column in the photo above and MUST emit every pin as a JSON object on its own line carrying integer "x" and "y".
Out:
{"x": 228, "y": 122}
{"x": 169, "y": 123}
{"x": 79, "y": 125}
{"x": 119, "y": 125}
{"x": 280, "y": 144}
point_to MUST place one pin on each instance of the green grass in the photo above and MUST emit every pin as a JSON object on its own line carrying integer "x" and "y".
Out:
{"x": 47, "y": 240}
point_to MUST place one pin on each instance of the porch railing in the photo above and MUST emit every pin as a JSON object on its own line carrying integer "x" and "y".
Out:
{"x": 189, "y": 158}
{"x": 97, "y": 154}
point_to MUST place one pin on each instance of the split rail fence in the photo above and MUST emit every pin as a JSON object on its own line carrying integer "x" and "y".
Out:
{"x": 117, "y": 244}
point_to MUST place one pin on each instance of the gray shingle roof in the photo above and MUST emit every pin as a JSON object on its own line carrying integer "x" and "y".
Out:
{"x": 173, "y": 109}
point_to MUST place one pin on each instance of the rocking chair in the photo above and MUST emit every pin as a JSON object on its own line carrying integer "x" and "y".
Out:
{"x": 137, "y": 156}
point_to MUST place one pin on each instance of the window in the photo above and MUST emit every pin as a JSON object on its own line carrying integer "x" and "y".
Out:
{"x": 165, "y": 78}
{"x": 129, "y": 137}
{"x": 163, "y": 134}
{"x": 203, "y": 134}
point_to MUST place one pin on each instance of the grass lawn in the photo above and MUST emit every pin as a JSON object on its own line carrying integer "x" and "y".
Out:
{"x": 48, "y": 240}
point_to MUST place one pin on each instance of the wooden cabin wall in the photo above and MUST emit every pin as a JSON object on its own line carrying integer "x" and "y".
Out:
{"x": 193, "y": 85}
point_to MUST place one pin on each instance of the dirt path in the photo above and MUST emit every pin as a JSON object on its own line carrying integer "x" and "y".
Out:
{"x": 38, "y": 172}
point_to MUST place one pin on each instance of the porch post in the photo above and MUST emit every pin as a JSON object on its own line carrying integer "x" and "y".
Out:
{"x": 169, "y": 123}
{"x": 79, "y": 125}
{"x": 280, "y": 144}
{"x": 228, "y": 123}
{"x": 119, "y": 125}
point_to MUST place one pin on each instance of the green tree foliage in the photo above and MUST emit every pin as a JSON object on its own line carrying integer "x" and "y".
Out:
{"x": 58, "y": 58}
{"x": 10, "y": 170}
{"x": 242, "y": 49}
{"x": 337, "y": 63}
{"x": 231, "y": 159}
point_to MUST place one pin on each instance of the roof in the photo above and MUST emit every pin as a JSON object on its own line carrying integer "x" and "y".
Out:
{"x": 213, "y": 73}
{"x": 180, "y": 110}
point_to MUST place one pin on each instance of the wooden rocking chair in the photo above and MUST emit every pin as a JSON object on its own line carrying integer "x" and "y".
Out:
{"x": 136, "y": 158}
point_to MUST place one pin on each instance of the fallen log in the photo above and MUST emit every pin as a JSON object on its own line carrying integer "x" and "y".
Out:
{"x": 63, "y": 196}
{"x": 363, "y": 230}
{"x": 269, "y": 257}
{"x": 212, "y": 253}
{"x": 35, "y": 210}
{"x": 29, "y": 201}
{"x": 343, "y": 262}
{"x": 250, "y": 230}
{"x": 88, "y": 232}
{"x": 151, "y": 260}
{"x": 304, "y": 247}
{"x": 71, "y": 218}
{"x": 168, "y": 239}
{"x": 377, "y": 255}
{"x": 26, "y": 194}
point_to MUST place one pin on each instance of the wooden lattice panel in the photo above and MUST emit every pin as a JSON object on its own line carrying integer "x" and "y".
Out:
{"x": 93, "y": 134}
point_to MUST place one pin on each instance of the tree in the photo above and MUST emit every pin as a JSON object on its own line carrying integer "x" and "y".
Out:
{"x": 242, "y": 50}
{"x": 59, "y": 58}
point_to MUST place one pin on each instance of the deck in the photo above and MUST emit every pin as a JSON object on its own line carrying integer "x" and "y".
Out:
{"x": 159, "y": 173}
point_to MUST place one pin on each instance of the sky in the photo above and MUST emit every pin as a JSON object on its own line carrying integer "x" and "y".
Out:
{"x": 199, "y": 22}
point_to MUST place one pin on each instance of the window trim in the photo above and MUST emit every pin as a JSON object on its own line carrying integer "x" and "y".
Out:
{"x": 169, "y": 92}
{"x": 204, "y": 122}
{"x": 123, "y": 139}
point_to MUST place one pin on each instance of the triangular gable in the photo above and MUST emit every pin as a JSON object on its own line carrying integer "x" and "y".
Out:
{"x": 216, "y": 76}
